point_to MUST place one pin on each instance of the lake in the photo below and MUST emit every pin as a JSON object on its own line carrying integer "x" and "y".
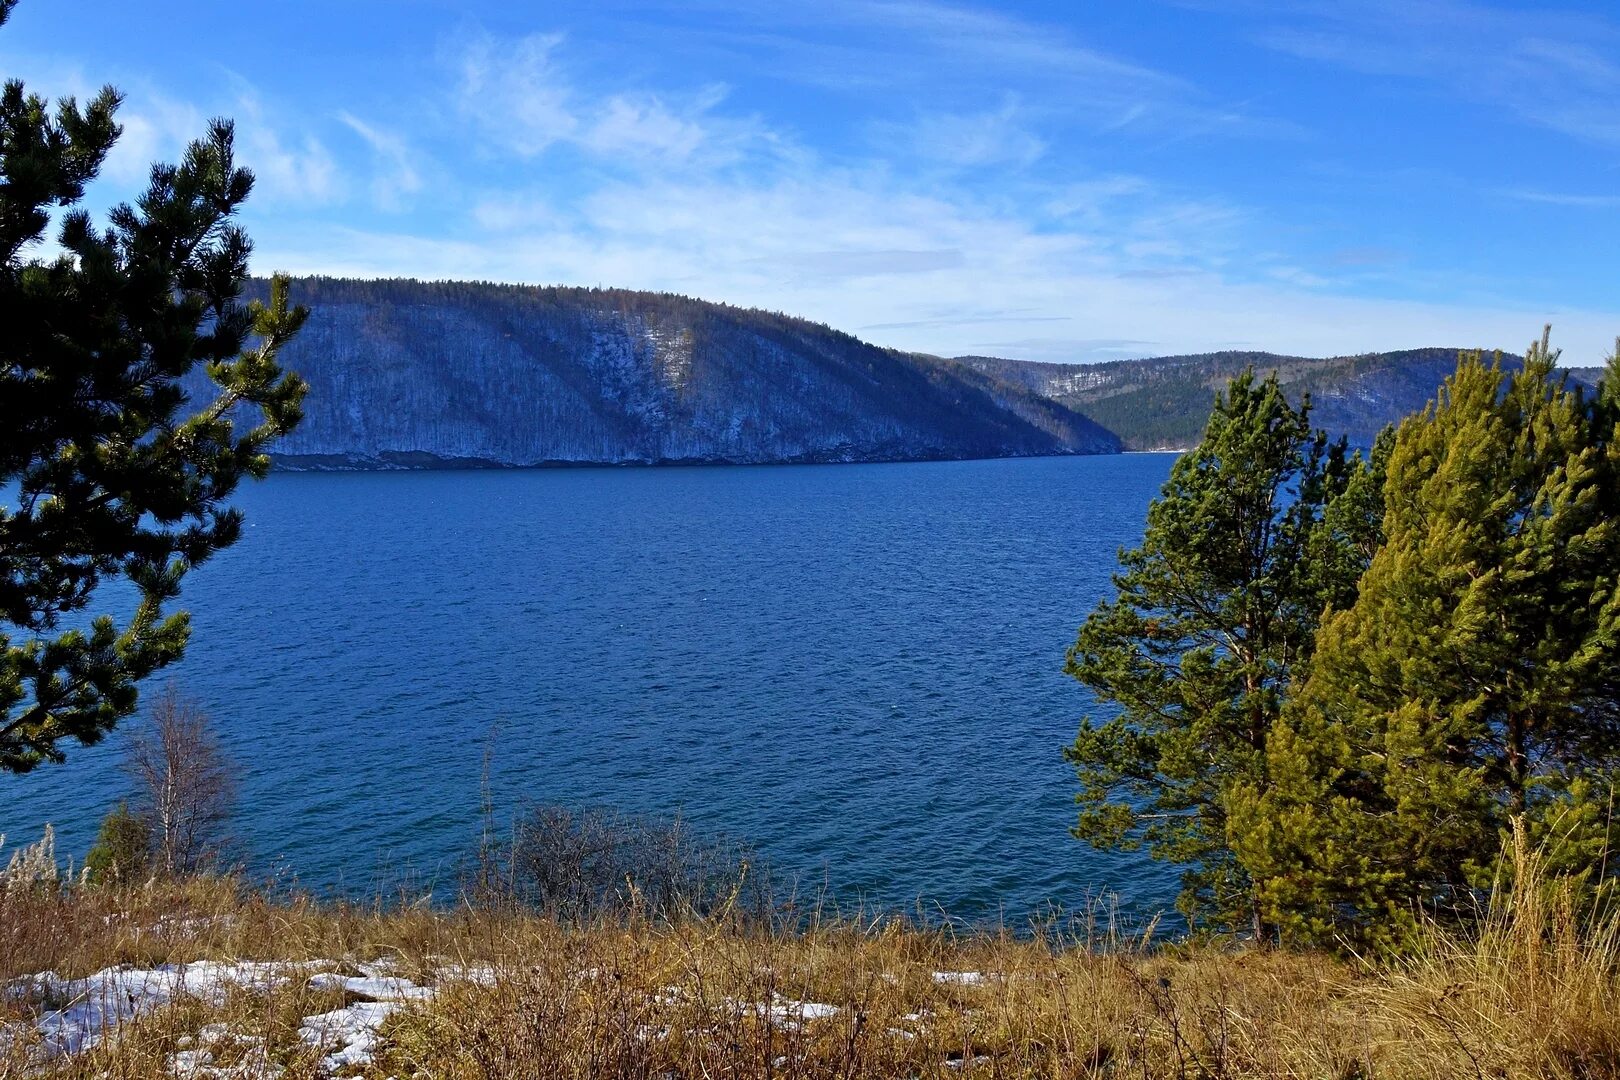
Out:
{"x": 855, "y": 668}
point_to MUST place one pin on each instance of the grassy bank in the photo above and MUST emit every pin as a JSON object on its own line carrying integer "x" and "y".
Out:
{"x": 464, "y": 993}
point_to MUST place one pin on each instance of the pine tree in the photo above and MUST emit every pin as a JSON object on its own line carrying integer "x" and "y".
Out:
{"x": 106, "y": 472}
{"x": 1256, "y": 531}
{"x": 1472, "y": 681}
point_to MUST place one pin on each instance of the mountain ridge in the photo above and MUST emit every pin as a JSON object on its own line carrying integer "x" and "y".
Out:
{"x": 410, "y": 374}
{"x": 1163, "y": 402}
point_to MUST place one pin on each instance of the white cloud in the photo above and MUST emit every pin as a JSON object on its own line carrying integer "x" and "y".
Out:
{"x": 156, "y": 128}
{"x": 544, "y": 170}
{"x": 645, "y": 126}
{"x": 396, "y": 173}
{"x": 923, "y": 259}
{"x": 956, "y": 56}
{"x": 934, "y": 274}
{"x": 524, "y": 103}
{"x": 998, "y": 137}
{"x": 509, "y": 210}
{"x": 975, "y": 38}
{"x": 510, "y": 88}
{"x": 289, "y": 166}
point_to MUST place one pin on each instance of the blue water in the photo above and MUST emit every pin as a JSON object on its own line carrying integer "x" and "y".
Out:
{"x": 858, "y": 669}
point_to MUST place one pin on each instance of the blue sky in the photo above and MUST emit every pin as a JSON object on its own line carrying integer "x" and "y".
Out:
{"x": 1056, "y": 181}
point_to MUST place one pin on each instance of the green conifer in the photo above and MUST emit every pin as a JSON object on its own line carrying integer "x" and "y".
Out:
{"x": 1471, "y": 681}
{"x": 122, "y": 852}
{"x": 1257, "y": 529}
{"x": 107, "y": 471}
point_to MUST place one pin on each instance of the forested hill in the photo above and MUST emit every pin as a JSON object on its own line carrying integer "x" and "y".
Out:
{"x": 415, "y": 374}
{"x": 1162, "y": 403}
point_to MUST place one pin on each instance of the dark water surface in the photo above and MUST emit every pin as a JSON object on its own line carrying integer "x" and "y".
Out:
{"x": 856, "y": 668}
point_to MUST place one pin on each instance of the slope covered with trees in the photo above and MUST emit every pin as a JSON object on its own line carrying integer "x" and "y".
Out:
{"x": 411, "y": 374}
{"x": 1162, "y": 403}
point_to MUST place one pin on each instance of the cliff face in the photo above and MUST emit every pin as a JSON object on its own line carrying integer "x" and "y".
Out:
{"x": 410, "y": 374}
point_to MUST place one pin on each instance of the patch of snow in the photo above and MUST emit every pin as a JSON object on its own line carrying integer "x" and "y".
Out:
{"x": 209, "y": 1034}
{"x": 968, "y": 1063}
{"x": 352, "y": 1030}
{"x": 253, "y": 1062}
{"x": 959, "y": 978}
{"x": 191, "y": 926}
{"x": 786, "y": 1011}
{"x": 81, "y": 1012}
{"x": 804, "y": 1010}
{"x": 386, "y": 988}
{"x": 94, "y": 1005}
{"x": 477, "y": 974}
{"x": 198, "y": 1064}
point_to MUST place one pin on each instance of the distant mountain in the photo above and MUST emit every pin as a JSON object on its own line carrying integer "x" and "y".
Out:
{"x": 409, "y": 374}
{"x": 1163, "y": 402}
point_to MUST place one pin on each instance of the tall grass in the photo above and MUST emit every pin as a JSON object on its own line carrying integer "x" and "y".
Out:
{"x": 1533, "y": 989}
{"x": 1530, "y": 991}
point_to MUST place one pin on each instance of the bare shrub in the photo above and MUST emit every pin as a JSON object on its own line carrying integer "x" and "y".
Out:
{"x": 185, "y": 785}
{"x": 589, "y": 864}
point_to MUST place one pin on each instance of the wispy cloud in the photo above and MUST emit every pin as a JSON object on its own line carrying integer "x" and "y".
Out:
{"x": 981, "y": 318}
{"x": 1559, "y": 198}
{"x": 646, "y": 189}
{"x": 1084, "y": 350}
{"x": 963, "y": 140}
{"x": 512, "y": 90}
{"x": 156, "y": 128}
{"x": 289, "y": 161}
{"x": 937, "y": 174}
{"x": 1545, "y": 67}
{"x": 960, "y": 54}
{"x": 396, "y": 174}
{"x": 929, "y": 270}
{"x": 524, "y": 101}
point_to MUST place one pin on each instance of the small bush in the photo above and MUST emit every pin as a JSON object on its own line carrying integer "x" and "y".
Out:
{"x": 591, "y": 864}
{"x": 123, "y": 849}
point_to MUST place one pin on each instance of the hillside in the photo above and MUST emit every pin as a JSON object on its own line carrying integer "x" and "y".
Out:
{"x": 408, "y": 374}
{"x": 1162, "y": 403}
{"x": 413, "y": 374}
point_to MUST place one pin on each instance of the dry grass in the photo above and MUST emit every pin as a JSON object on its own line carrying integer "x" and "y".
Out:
{"x": 1532, "y": 994}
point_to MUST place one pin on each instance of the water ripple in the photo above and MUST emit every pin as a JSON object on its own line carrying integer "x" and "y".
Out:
{"x": 858, "y": 668}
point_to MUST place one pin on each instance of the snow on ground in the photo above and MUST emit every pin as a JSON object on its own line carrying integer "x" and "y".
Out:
{"x": 373, "y": 988}
{"x": 787, "y": 1012}
{"x": 348, "y": 1034}
{"x": 446, "y": 970}
{"x": 91, "y": 1007}
{"x": 79, "y": 1013}
{"x": 959, "y": 978}
{"x": 82, "y": 1012}
{"x": 198, "y": 1058}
